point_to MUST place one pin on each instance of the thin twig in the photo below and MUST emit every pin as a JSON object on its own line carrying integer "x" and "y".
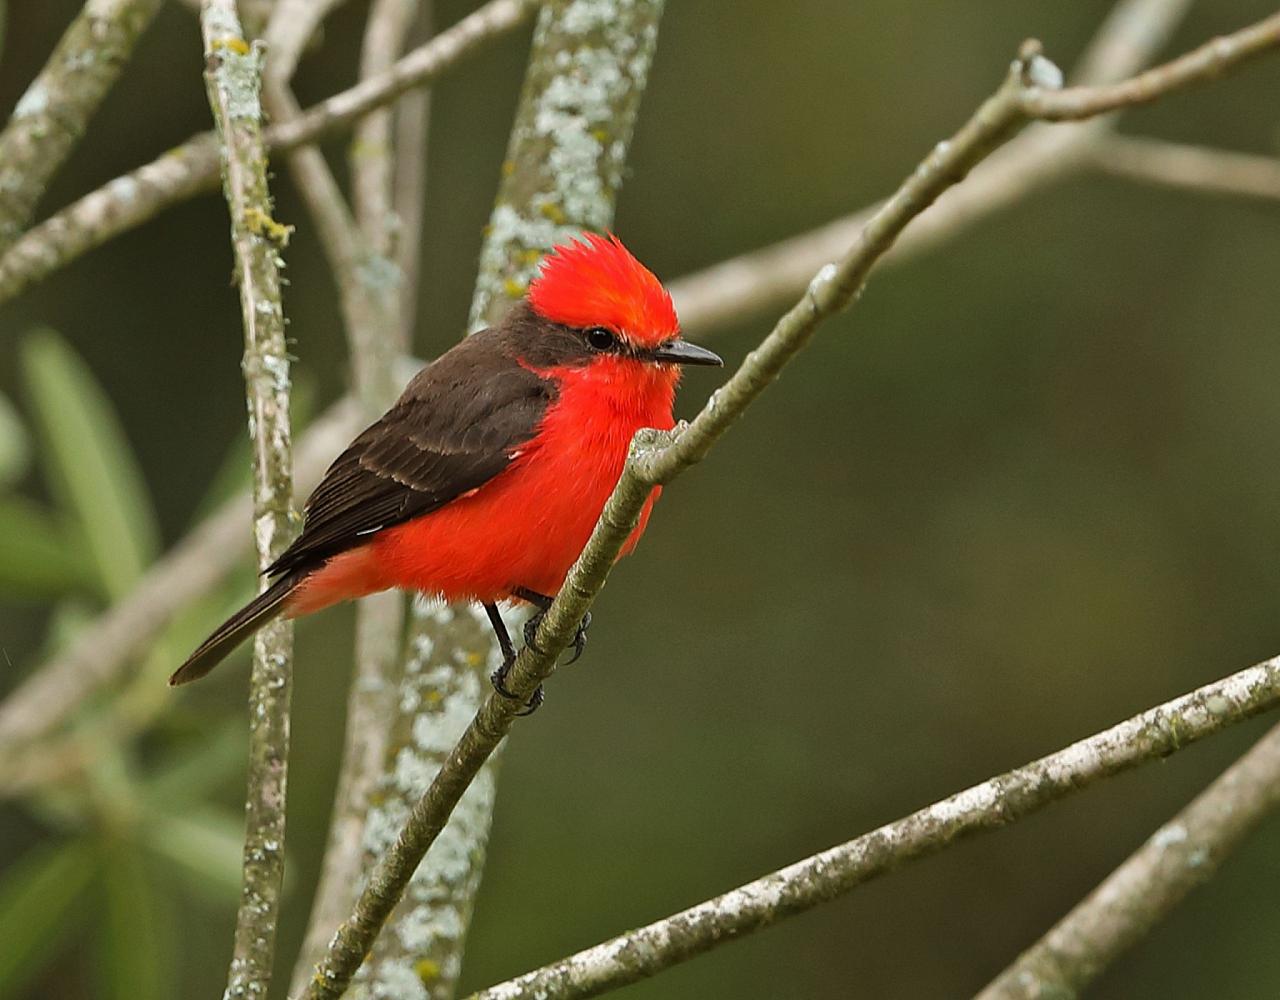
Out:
{"x": 51, "y": 116}
{"x": 135, "y": 197}
{"x": 658, "y": 457}
{"x": 358, "y": 248}
{"x": 1190, "y": 168}
{"x": 1181, "y": 855}
{"x": 994, "y": 803}
{"x": 409, "y": 187}
{"x": 232, "y": 74}
{"x": 736, "y": 289}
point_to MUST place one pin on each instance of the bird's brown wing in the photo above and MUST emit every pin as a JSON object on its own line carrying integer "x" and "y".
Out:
{"x": 454, "y": 428}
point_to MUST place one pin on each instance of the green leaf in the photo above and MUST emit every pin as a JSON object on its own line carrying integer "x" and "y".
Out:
{"x": 195, "y": 774}
{"x": 206, "y": 845}
{"x": 91, "y": 465}
{"x": 15, "y": 445}
{"x": 37, "y": 911}
{"x": 135, "y": 940}
{"x": 37, "y": 559}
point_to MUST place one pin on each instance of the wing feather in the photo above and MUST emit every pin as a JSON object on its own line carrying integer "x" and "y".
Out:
{"x": 454, "y": 428}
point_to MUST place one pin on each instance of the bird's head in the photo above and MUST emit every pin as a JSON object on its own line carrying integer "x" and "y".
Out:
{"x": 603, "y": 314}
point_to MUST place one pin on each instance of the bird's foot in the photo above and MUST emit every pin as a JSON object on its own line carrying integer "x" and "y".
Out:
{"x": 578, "y": 644}
{"x": 499, "y": 680}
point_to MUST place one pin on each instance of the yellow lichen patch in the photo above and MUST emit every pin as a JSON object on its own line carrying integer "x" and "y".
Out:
{"x": 261, "y": 224}
{"x": 428, "y": 970}
{"x": 530, "y": 256}
{"x": 554, "y": 212}
{"x": 513, "y": 288}
{"x": 232, "y": 44}
{"x": 508, "y": 168}
{"x": 433, "y": 697}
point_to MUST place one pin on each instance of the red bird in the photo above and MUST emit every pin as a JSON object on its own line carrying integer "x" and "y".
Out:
{"x": 483, "y": 482}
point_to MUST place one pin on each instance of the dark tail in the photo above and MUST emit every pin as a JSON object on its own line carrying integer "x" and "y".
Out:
{"x": 235, "y": 630}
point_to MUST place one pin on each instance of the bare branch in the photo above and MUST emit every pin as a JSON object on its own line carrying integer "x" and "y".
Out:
{"x": 769, "y": 278}
{"x": 232, "y": 74}
{"x": 1192, "y": 168}
{"x": 51, "y": 116}
{"x": 990, "y": 805}
{"x": 1204, "y": 63}
{"x": 133, "y": 198}
{"x": 1181, "y": 855}
{"x": 658, "y": 457}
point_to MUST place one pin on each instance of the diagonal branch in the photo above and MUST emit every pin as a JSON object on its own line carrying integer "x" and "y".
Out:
{"x": 1181, "y": 855}
{"x": 994, "y": 803}
{"x": 191, "y": 168}
{"x": 769, "y": 278}
{"x": 1124, "y": 42}
{"x": 232, "y": 76}
{"x": 659, "y": 457}
{"x": 52, "y": 115}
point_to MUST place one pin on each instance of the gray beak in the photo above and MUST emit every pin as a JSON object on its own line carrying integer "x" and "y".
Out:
{"x": 681, "y": 352}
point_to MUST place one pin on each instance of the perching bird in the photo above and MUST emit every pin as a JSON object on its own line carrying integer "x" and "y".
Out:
{"x": 483, "y": 482}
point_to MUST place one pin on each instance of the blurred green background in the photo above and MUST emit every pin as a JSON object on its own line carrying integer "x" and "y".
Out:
{"x": 1026, "y": 488}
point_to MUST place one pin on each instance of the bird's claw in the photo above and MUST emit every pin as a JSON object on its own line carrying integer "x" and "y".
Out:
{"x": 579, "y": 639}
{"x": 499, "y": 680}
{"x": 578, "y": 644}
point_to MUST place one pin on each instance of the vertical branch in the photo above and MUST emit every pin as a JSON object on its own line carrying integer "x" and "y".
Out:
{"x": 361, "y": 251}
{"x": 51, "y": 116}
{"x": 573, "y": 127}
{"x": 587, "y": 70}
{"x": 232, "y": 77}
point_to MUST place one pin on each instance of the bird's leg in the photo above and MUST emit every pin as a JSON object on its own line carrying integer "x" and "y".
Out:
{"x": 499, "y": 677}
{"x": 542, "y": 602}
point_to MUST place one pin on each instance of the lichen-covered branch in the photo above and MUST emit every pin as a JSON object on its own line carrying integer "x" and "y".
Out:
{"x": 568, "y": 147}
{"x": 990, "y": 805}
{"x": 52, "y": 115}
{"x": 659, "y": 457}
{"x": 1190, "y": 168}
{"x": 588, "y": 65}
{"x": 232, "y": 76}
{"x": 1181, "y": 855}
{"x": 135, "y": 197}
{"x": 769, "y": 278}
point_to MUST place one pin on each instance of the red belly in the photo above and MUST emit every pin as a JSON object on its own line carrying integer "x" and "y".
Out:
{"x": 524, "y": 528}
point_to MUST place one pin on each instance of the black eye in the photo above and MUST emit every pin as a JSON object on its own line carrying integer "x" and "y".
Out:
{"x": 601, "y": 339}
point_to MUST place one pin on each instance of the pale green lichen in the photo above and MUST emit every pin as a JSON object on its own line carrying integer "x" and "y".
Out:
{"x": 445, "y": 681}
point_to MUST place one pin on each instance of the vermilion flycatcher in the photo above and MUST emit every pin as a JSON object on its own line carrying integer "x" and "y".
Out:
{"x": 483, "y": 482}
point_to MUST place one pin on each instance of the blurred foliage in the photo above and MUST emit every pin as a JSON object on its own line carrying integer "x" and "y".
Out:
{"x": 1026, "y": 488}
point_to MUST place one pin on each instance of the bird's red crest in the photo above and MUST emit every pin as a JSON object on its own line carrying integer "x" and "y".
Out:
{"x": 594, "y": 281}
